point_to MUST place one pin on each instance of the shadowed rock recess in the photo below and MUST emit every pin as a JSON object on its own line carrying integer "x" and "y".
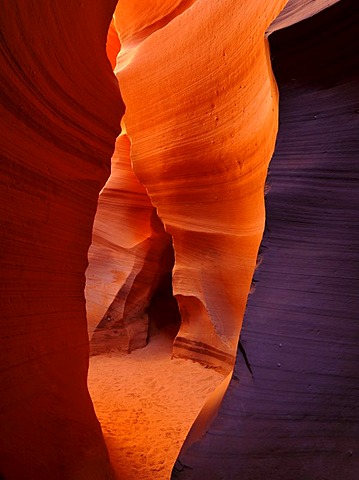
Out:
{"x": 156, "y": 216}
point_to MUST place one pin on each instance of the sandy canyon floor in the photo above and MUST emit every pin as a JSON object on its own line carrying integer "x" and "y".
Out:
{"x": 146, "y": 404}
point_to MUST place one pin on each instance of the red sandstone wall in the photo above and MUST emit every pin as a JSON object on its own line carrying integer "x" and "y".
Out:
{"x": 59, "y": 116}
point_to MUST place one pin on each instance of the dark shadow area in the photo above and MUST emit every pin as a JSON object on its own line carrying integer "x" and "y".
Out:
{"x": 320, "y": 51}
{"x": 163, "y": 311}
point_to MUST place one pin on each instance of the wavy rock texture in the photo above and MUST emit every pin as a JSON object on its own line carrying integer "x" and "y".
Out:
{"x": 298, "y": 10}
{"x": 201, "y": 116}
{"x": 59, "y": 117}
{"x": 297, "y": 415}
{"x": 113, "y": 45}
{"x": 201, "y": 144}
{"x": 130, "y": 264}
{"x": 131, "y": 256}
{"x": 130, "y": 252}
{"x": 135, "y": 21}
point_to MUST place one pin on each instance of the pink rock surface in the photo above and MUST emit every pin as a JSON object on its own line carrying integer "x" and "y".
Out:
{"x": 297, "y": 10}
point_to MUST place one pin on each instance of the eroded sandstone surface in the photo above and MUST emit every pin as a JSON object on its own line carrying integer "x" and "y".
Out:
{"x": 59, "y": 116}
{"x": 201, "y": 144}
{"x": 185, "y": 198}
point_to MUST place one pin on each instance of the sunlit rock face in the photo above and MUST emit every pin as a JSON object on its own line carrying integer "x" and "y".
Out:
{"x": 296, "y": 415}
{"x": 113, "y": 45}
{"x": 201, "y": 113}
{"x": 60, "y": 113}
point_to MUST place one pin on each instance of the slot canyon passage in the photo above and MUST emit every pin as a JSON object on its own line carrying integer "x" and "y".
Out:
{"x": 167, "y": 248}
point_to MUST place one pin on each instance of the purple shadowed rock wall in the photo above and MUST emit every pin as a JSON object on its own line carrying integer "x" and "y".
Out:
{"x": 296, "y": 415}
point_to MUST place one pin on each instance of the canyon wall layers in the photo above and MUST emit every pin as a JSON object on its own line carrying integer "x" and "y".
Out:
{"x": 296, "y": 414}
{"x": 201, "y": 143}
{"x": 298, "y": 10}
{"x": 60, "y": 114}
{"x": 60, "y": 111}
{"x": 127, "y": 257}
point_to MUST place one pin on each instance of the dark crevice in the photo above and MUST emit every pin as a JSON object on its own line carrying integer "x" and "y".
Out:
{"x": 244, "y": 354}
{"x": 163, "y": 311}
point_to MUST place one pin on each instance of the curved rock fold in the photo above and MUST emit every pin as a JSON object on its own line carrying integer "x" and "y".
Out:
{"x": 202, "y": 151}
{"x": 166, "y": 248}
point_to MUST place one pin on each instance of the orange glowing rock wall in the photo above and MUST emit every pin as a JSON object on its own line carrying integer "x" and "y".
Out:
{"x": 125, "y": 259}
{"x": 201, "y": 113}
{"x": 122, "y": 223}
{"x": 60, "y": 113}
{"x": 124, "y": 262}
{"x": 113, "y": 45}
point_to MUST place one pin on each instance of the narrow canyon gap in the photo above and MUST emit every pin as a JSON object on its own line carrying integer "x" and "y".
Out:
{"x": 201, "y": 152}
{"x": 196, "y": 78}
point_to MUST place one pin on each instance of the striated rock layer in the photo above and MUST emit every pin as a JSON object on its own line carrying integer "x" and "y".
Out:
{"x": 201, "y": 117}
{"x": 60, "y": 112}
{"x": 201, "y": 113}
{"x": 126, "y": 259}
{"x": 298, "y": 10}
{"x": 296, "y": 415}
